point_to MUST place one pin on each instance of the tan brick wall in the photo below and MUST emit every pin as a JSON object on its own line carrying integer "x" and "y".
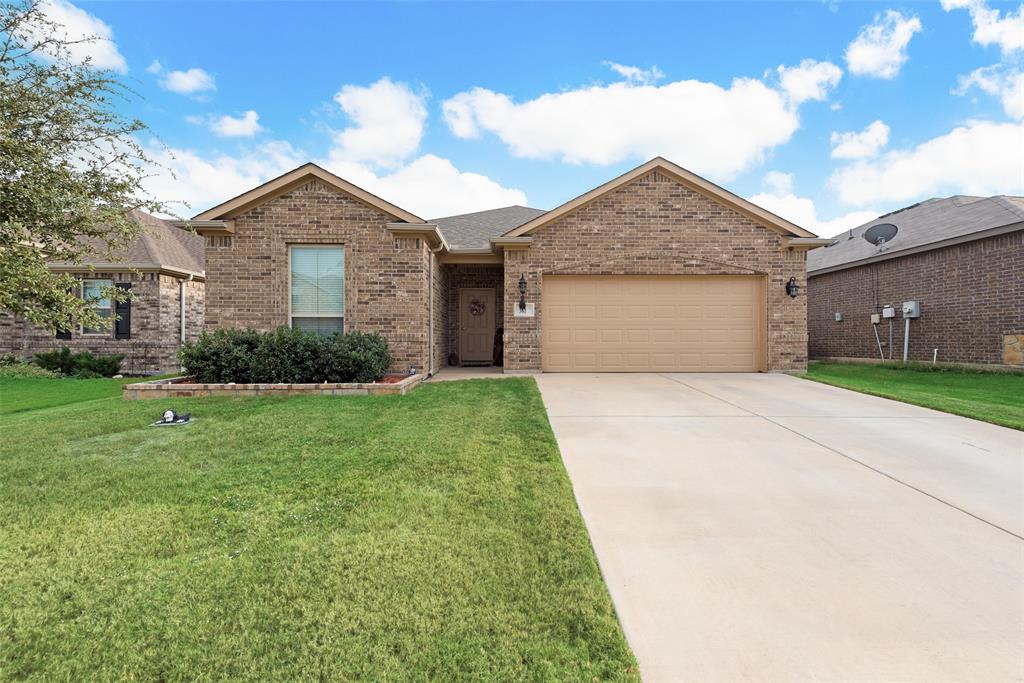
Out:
{"x": 155, "y": 325}
{"x": 970, "y": 298}
{"x": 441, "y": 314}
{"x": 655, "y": 225}
{"x": 385, "y": 278}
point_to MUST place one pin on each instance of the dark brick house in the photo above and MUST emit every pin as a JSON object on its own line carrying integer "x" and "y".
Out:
{"x": 961, "y": 257}
{"x": 656, "y": 270}
{"x": 164, "y": 269}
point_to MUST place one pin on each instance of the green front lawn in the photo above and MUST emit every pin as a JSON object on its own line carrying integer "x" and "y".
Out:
{"x": 432, "y": 536}
{"x": 996, "y": 397}
{"x": 18, "y": 394}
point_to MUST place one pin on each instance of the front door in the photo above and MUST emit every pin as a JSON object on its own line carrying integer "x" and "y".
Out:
{"x": 476, "y": 325}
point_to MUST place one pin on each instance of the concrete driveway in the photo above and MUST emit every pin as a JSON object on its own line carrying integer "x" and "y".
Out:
{"x": 768, "y": 528}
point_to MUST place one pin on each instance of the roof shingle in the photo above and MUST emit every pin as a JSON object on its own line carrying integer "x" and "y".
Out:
{"x": 475, "y": 230}
{"x": 928, "y": 222}
{"x": 160, "y": 245}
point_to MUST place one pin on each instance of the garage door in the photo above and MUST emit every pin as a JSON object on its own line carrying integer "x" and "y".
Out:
{"x": 652, "y": 323}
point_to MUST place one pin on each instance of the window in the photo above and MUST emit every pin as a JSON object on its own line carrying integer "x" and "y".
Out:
{"x": 318, "y": 289}
{"x": 95, "y": 293}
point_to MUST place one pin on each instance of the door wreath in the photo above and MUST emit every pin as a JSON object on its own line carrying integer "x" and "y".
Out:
{"x": 477, "y": 307}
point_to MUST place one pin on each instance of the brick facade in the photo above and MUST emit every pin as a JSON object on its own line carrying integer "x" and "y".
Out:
{"x": 155, "y": 325}
{"x": 655, "y": 225}
{"x": 971, "y": 299}
{"x": 386, "y": 278}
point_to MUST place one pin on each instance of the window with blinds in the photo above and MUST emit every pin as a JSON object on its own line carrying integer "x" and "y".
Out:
{"x": 318, "y": 288}
{"x": 95, "y": 294}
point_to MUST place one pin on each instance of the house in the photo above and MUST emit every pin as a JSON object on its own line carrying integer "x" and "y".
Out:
{"x": 961, "y": 258}
{"x": 656, "y": 270}
{"x": 163, "y": 268}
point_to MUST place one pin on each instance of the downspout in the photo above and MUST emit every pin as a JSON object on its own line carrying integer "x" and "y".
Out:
{"x": 181, "y": 305}
{"x": 430, "y": 311}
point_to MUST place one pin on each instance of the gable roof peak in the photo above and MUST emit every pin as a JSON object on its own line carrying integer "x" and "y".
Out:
{"x": 681, "y": 175}
{"x": 292, "y": 179}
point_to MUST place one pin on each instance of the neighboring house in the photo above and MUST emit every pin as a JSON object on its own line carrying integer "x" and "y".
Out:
{"x": 657, "y": 270}
{"x": 163, "y": 268}
{"x": 961, "y": 257}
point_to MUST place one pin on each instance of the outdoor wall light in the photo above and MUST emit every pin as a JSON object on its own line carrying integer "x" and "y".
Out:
{"x": 792, "y": 288}
{"x": 522, "y": 292}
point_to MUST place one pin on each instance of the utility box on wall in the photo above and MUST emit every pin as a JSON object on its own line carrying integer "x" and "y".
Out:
{"x": 911, "y": 309}
{"x": 888, "y": 311}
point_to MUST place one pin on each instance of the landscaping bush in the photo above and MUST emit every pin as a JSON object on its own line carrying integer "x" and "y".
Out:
{"x": 285, "y": 355}
{"x": 358, "y": 357}
{"x": 81, "y": 364}
{"x": 12, "y": 366}
{"x": 221, "y": 356}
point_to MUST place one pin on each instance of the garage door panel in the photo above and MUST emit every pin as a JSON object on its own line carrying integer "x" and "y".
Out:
{"x": 651, "y": 323}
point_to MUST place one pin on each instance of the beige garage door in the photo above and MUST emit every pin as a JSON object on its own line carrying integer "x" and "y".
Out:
{"x": 652, "y": 323}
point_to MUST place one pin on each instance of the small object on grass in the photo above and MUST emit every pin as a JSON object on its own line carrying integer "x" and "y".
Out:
{"x": 172, "y": 418}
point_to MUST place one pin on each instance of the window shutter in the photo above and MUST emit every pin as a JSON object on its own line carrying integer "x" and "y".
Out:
{"x": 123, "y": 309}
{"x": 63, "y": 333}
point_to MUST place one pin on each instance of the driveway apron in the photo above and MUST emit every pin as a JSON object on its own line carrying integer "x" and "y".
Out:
{"x": 766, "y": 528}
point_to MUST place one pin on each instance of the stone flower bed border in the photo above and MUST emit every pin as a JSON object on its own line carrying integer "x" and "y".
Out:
{"x": 176, "y": 387}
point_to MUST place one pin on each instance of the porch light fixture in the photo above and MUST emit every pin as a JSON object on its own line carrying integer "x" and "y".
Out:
{"x": 792, "y": 288}
{"x": 522, "y": 292}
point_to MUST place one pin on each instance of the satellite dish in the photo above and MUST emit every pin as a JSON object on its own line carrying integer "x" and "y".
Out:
{"x": 880, "y": 234}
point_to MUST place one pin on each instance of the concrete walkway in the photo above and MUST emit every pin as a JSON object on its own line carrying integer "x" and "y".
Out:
{"x": 768, "y": 528}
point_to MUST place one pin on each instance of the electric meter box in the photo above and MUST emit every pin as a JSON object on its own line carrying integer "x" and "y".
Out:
{"x": 911, "y": 309}
{"x": 888, "y": 311}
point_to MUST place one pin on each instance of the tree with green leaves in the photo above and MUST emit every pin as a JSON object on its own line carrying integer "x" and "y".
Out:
{"x": 71, "y": 168}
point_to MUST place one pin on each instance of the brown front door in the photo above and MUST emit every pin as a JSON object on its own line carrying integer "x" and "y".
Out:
{"x": 476, "y": 325}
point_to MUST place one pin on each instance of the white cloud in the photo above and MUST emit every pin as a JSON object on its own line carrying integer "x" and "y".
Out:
{"x": 880, "y": 49}
{"x": 810, "y": 80}
{"x": 244, "y": 126}
{"x": 862, "y": 145}
{"x": 79, "y": 25}
{"x": 206, "y": 179}
{"x": 780, "y": 200}
{"x": 710, "y": 129}
{"x": 1006, "y": 83}
{"x": 635, "y": 74}
{"x": 154, "y": 67}
{"x": 990, "y": 27}
{"x": 430, "y": 186}
{"x": 387, "y": 120}
{"x": 981, "y": 157}
{"x": 188, "y": 82}
{"x": 778, "y": 182}
{"x": 427, "y": 185}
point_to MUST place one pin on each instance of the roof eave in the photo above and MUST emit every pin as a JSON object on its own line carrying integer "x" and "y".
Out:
{"x": 428, "y": 232}
{"x": 128, "y": 268}
{"x": 891, "y": 254}
{"x": 288, "y": 181}
{"x": 706, "y": 187}
{"x": 807, "y": 243}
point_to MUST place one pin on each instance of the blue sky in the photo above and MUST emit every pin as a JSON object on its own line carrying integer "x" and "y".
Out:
{"x": 827, "y": 113}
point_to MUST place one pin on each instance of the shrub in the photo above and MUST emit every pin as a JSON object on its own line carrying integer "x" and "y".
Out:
{"x": 358, "y": 357}
{"x": 81, "y": 364}
{"x": 221, "y": 356}
{"x": 291, "y": 356}
{"x": 285, "y": 355}
{"x": 61, "y": 361}
{"x": 11, "y": 366}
